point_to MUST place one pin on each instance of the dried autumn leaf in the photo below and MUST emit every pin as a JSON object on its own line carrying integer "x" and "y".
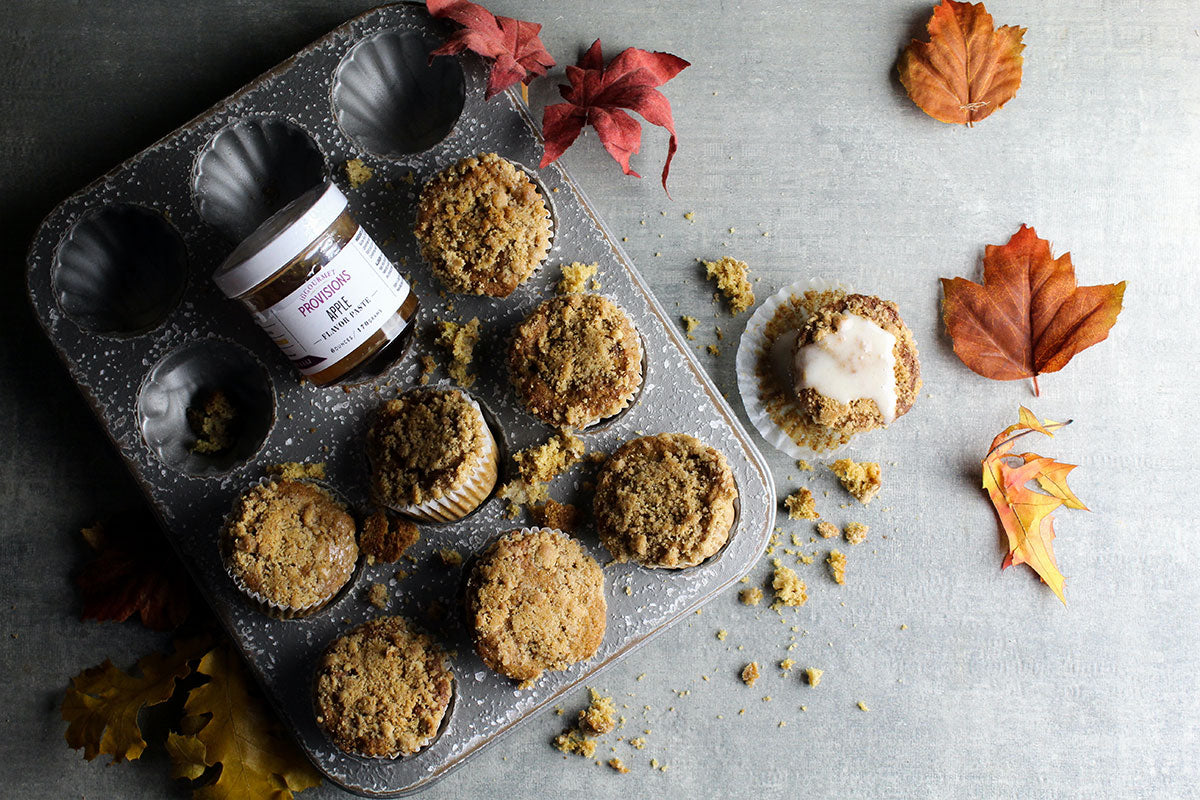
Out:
{"x": 227, "y": 723}
{"x": 967, "y": 69}
{"x": 597, "y": 96}
{"x": 514, "y": 46}
{"x": 134, "y": 571}
{"x": 1024, "y": 512}
{"x": 103, "y": 702}
{"x": 1029, "y": 316}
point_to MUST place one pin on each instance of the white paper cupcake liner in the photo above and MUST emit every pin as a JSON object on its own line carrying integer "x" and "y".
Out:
{"x": 751, "y": 348}
{"x": 457, "y": 503}
{"x": 263, "y": 603}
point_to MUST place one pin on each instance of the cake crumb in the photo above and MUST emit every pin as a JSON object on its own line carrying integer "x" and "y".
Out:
{"x": 804, "y": 466}
{"x": 827, "y": 529}
{"x": 787, "y": 664}
{"x": 750, "y": 673}
{"x": 789, "y": 589}
{"x": 862, "y": 706}
{"x": 385, "y": 537}
{"x": 572, "y": 741}
{"x": 553, "y": 514}
{"x": 713, "y": 350}
{"x": 600, "y": 716}
{"x": 377, "y": 595}
{"x": 751, "y": 596}
{"x": 861, "y": 479}
{"x": 837, "y": 565}
{"x": 537, "y": 467}
{"x": 575, "y": 276}
{"x": 460, "y": 341}
{"x": 856, "y": 532}
{"x": 800, "y": 505}
{"x": 428, "y": 365}
{"x": 450, "y": 557}
{"x": 813, "y": 675}
{"x": 638, "y": 743}
{"x": 731, "y": 280}
{"x": 721, "y": 634}
{"x": 295, "y": 470}
{"x": 618, "y": 765}
{"x": 357, "y": 173}
{"x": 215, "y": 422}
{"x": 690, "y": 324}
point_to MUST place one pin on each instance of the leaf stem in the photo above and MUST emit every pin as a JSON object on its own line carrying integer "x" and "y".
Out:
{"x": 1053, "y": 426}
{"x": 1036, "y": 391}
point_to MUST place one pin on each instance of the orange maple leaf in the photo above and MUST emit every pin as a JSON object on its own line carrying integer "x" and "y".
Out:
{"x": 1024, "y": 512}
{"x": 967, "y": 69}
{"x": 1029, "y": 316}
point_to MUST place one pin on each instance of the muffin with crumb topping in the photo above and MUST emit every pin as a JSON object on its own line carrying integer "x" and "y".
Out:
{"x": 483, "y": 226}
{"x": 289, "y": 546}
{"x": 576, "y": 360}
{"x": 382, "y": 690}
{"x": 665, "y": 501}
{"x": 432, "y": 455}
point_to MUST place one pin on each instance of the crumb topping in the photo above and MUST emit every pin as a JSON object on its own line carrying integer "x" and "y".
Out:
{"x": 291, "y": 543}
{"x": 483, "y": 226}
{"x": 424, "y": 444}
{"x": 382, "y": 690}
{"x": 575, "y": 360}
{"x": 665, "y": 501}
{"x": 535, "y": 601}
{"x": 732, "y": 282}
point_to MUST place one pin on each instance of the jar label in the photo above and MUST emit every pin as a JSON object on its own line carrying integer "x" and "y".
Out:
{"x": 338, "y": 308}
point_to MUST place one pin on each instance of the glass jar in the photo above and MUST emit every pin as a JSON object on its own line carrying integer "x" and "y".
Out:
{"x": 320, "y": 287}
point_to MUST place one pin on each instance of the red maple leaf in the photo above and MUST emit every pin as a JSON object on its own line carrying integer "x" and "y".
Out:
{"x": 514, "y": 46}
{"x": 134, "y": 572}
{"x": 598, "y": 93}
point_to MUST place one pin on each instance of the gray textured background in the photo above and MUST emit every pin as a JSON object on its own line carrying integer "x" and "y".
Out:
{"x": 791, "y": 122}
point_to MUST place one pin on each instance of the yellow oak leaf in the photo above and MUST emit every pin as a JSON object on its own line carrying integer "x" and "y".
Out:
{"x": 1025, "y": 514}
{"x": 227, "y": 723}
{"x": 103, "y": 702}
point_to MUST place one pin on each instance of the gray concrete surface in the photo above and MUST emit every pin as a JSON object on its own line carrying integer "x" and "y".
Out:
{"x": 791, "y": 123}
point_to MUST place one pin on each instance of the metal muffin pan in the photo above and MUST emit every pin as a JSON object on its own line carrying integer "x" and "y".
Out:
{"x": 119, "y": 278}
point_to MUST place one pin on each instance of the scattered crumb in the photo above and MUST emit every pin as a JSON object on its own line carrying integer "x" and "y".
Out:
{"x": 713, "y": 350}
{"x": 827, "y": 529}
{"x": 856, "y": 532}
{"x": 837, "y": 565}
{"x": 731, "y": 280}
{"x": 862, "y": 706}
{"x": 358, "y": 173}
{"x": 903, "y": 627}
{"x": 294, "y": 470}
{"x": 377, "y": 595}
{"x": 690, "y": 216}
{"x": 861, "y": 479}
{"x": 215, "y": 423}
{"x": 721, "y": 634}
{"x": 800, "y": 505}
{"x": 787, "y": 664}
{"x": 690, "y": 324}
{"x": 813, "y": 675}
{"x": 618, "y": 765}
{"x": 553, "y": 514}
{"x": 537, "y": 466}
{"x": 450, "y": 557}
{"x": 639, "y": 743}
{"x": 789, "y": 589}
{"x": 575, "y": 276}
{"x": 751, "y": 596}
{"x": 460, "y": 340}
{"x": 385, "y": 537}
{"x": 428, "y": 365}
{"x": 600, "y": 716}
{"x": 572, "y": 740}
{"x": 628, "y": 591}
{"x": 804, "y": 466}
{"x": 750, "y": 673}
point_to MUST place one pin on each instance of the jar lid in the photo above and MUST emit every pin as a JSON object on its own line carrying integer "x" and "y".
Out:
{"x": 281, "y": 238}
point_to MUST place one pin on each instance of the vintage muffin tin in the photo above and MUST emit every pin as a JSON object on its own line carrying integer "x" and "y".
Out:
{"x": 119, "y": 278}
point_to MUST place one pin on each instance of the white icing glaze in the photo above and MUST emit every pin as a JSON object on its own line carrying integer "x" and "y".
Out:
{"x": 854, "y": 362}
